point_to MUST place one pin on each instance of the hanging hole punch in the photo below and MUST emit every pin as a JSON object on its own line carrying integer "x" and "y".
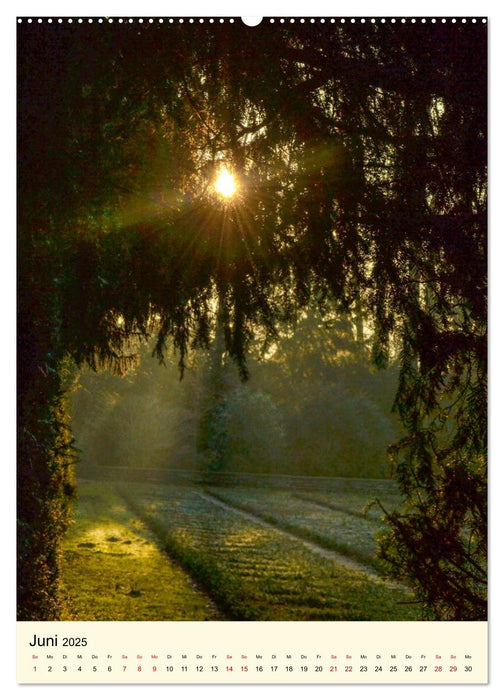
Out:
{"x": 251, "y": 21}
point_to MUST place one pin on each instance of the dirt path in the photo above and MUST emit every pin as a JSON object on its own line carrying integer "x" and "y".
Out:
{"x": 340, "y": 559}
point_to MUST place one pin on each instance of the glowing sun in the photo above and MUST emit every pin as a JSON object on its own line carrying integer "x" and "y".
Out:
{"x": 225, "y": 184}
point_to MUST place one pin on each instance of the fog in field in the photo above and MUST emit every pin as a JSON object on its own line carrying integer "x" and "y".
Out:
{"x": 314, "y": 404}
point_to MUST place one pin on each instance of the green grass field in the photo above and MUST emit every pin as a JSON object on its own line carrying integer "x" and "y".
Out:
{"x": 336, "y": 529}
{"x": 254, "y": 554}
{"x": 113, "y": 569}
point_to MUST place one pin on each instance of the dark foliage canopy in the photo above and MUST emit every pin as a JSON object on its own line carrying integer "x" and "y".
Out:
{"x": 360, "y": 154}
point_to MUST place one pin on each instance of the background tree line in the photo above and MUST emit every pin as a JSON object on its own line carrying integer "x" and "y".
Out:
{"x": 361, "y": 158}
{"x": 314, "y": 405}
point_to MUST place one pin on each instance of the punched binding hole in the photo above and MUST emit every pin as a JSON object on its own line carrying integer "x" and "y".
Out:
{"x": 251, "y": 21}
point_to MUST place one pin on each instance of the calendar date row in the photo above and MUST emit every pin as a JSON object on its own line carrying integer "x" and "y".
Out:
{"x": 267, "y": 669}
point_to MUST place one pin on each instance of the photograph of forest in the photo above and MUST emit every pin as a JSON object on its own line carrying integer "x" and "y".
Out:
{"x": 251, "y": 319}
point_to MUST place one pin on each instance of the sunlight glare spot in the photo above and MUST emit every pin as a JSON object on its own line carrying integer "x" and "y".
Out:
{"x": 225, "y": 184}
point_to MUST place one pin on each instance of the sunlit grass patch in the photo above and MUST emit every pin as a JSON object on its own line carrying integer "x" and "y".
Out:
{"x": 112, "y": 569}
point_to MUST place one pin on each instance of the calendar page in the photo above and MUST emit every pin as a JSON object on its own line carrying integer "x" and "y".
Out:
{"x": 252, "y": 349}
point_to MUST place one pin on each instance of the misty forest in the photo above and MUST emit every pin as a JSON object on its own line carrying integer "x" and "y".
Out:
{"x": 252, "y": 321}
